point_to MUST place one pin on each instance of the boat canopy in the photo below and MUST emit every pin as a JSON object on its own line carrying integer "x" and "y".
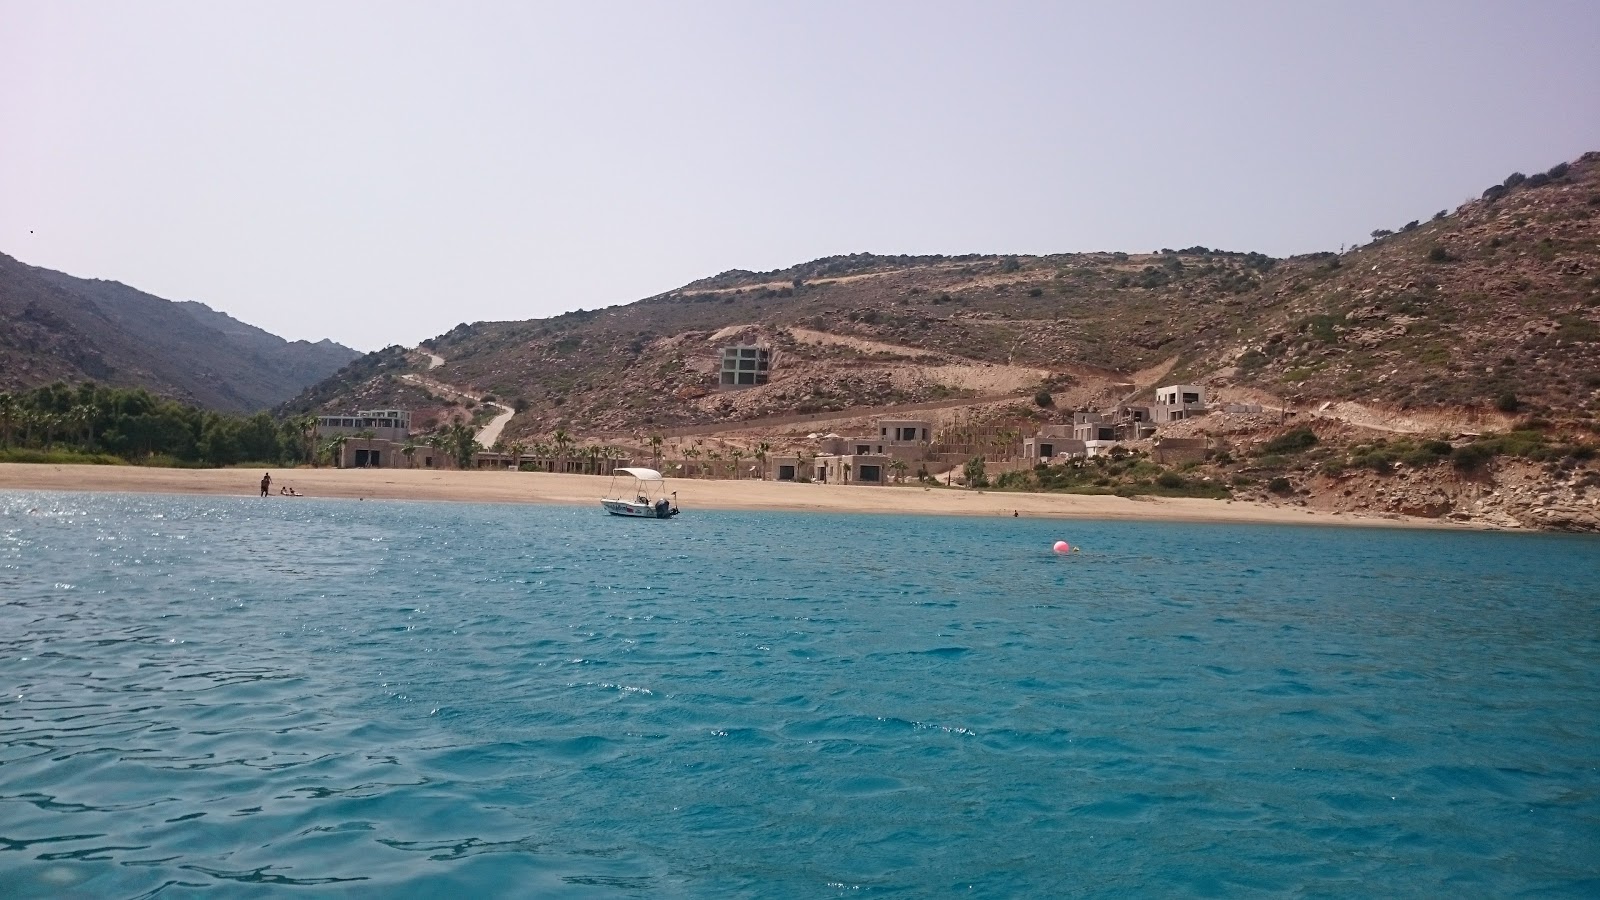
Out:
{"x": 642, "y": 474}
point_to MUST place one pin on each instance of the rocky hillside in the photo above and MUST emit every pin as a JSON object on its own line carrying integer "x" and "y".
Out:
{"x": 1494, "y": 305}
{"x": 54, "y": 327}
{"x": 1448, "y": 368}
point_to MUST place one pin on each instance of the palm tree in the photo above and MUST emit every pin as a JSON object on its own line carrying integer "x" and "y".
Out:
{"x": 335, "y": 449}
{"x": 49, "y": 421}
{"x": 713, "y": 457}
{"x": 517, "y": 449}
{"x": 463, "y": 441}
{"x": 438, "y": 442}
{"x": 898, "y": 467}
{"x": 690, "y": 454}
{"x": 736, "y": 454}
{"x": 656, "y": 441}
{"x": 8, "y": 411}
{"x": 593, "y": 451}
{"x": 563, "y": 442}
{"x": 307, "y": 426}
{"x": 762, "y": 449}
{"x": 408, "y": 450}
{"x": 83, "y": 415}
{"x": 541, "y": 453}
{"x": 366, "y": 436}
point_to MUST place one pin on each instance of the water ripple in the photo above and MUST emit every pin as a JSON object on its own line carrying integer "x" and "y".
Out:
{"x": 224, "y": 695}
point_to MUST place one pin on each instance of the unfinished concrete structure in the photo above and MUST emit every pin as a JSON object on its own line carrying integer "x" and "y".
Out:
{"x": 905, "y": 432}
{"x": 744, "y": 365}
{"x": 377, "y": 453}
{"x": 1092, "y": 426}
{"x": 789, "y": 467}
{"x": 852, "y": 468}
{"x": 385, "y": 424}
{"x": 903, "y": 439}
{"x": 1133, "y": 423}
{"x": 1052, "y": 442}
{"x": 1177, "y": 402}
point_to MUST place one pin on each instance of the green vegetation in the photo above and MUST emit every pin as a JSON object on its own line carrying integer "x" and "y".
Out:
{"x": 1131, "y": 475}
{"x": 974, "y": 473}
{"x": 61, "y": 457}
{"x": 1322, "y": 328}
{"x": 89, "y": 423}
{"x": 1293, "y": 442}
{"x": 1383, "y": 456}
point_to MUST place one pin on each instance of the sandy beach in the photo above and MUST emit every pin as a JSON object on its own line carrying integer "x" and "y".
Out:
{"x": 541, "y": 487}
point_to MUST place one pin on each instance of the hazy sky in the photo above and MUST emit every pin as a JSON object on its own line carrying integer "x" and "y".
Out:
{"x": 378, "y": 172}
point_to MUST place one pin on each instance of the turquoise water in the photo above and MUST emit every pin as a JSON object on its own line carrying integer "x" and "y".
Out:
{"x": 263, "y": 697}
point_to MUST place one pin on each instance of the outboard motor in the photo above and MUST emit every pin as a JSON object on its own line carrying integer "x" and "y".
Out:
{"x": 662, "y": 509}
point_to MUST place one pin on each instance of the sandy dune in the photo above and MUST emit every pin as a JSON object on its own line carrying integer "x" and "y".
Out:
{"x": 530, "y": 487}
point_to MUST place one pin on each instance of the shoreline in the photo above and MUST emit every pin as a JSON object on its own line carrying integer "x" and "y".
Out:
{"x": 546, "y": 488}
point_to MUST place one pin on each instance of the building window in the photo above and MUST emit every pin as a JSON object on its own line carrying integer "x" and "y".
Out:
{"x": 1047, "y": 450}
{"x": 744, "y": 366}
{"x": 869, "y": 473}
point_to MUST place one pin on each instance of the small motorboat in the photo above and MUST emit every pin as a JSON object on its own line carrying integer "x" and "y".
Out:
{"x": 647, "y": 497}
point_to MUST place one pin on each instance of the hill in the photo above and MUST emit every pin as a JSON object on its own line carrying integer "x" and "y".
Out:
{"x": 1490, "y": 305}
{"x": 54, "y": 327}
{"x": 1450, "y": 367}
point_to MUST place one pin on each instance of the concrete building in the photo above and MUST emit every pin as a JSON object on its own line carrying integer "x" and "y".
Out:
{"x": 1052, "y": 441}
{"x": 377, "y": 453}
{"x": 1093, "y": 426}
{"x": 1133, "y": 423}
{"x": 744, "y": 365}
{"x": 385, "y": 424}
{"x": 787, "y": 468}
{"x": 852, "y": 468}
{"x": 905, "y": 432}
{"x": 909, "y": 440}
{"x": 1177, "y": 402}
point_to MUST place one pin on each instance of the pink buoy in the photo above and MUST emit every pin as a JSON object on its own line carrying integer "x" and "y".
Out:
{"x": 1063, "y": 547}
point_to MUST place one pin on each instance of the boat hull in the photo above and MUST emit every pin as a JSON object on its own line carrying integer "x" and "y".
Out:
{"x": 635, "y": 510}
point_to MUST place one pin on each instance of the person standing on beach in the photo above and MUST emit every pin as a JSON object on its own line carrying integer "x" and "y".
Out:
{"x": 266, "y": 483}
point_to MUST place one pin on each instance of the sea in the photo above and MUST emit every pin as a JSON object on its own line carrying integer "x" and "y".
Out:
{"x": 248, "y": 697}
